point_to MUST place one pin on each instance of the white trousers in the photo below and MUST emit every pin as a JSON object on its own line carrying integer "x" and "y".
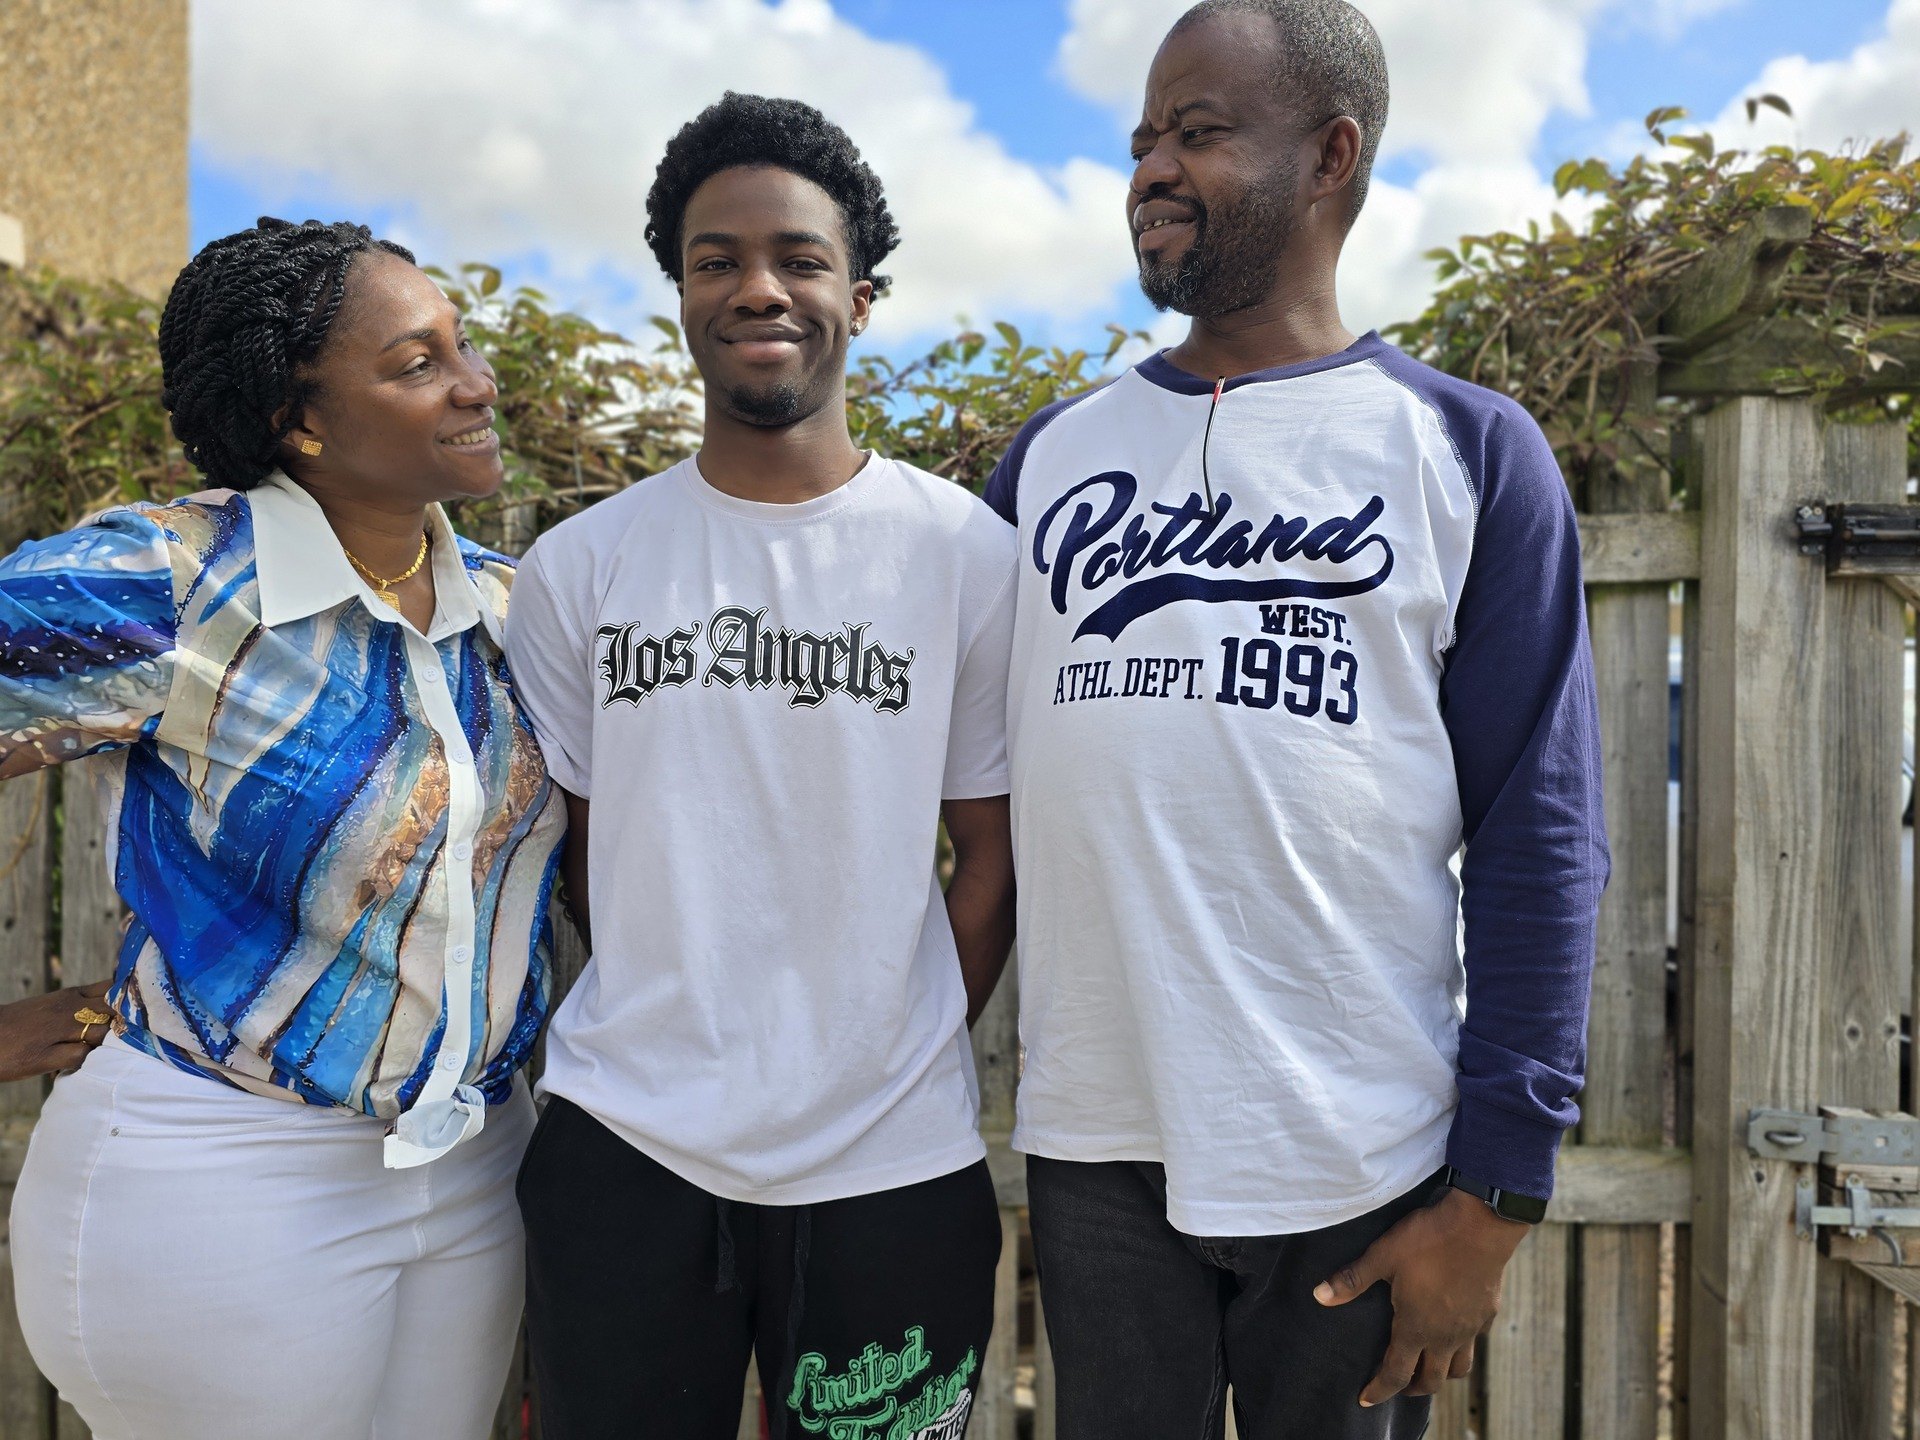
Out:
{"x": 192, "y": 1261}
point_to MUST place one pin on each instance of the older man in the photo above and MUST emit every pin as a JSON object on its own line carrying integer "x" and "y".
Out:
{"x": 1297, "y": 618}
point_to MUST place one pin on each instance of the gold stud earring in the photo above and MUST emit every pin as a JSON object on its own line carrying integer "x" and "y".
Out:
{"x": 311, "y": 447}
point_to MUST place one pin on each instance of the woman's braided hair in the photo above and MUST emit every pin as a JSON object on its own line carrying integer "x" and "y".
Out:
{"x": 245, "y": 320}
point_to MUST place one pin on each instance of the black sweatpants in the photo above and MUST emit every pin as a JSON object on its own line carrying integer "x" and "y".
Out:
{"x": 1150, "y": 1327}
{"x": 646, "y": 1294}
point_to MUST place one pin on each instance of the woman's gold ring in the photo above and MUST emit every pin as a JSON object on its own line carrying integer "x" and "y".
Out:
{"x": 88, "y": 1018}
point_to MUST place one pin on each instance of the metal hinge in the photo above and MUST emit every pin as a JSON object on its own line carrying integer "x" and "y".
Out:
{"x": 1858, "y": 538}
{"x": 1856, "y": 1148}
{"x": 1839, "y": 1140}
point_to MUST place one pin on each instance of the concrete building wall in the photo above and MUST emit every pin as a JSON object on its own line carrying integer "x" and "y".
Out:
{"x": 93, "y": 136}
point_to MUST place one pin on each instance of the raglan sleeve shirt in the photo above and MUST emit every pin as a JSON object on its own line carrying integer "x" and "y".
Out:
{"x": 1518, "y": 702}
{"x": 550, "y": 654}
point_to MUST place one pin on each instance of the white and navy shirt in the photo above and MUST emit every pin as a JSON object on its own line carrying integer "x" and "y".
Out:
{"x": 1265, "y": 683}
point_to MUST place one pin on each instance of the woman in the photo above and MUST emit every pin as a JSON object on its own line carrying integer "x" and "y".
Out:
{"x": 337, "y": 838}
{"x": 52, "y": 1032}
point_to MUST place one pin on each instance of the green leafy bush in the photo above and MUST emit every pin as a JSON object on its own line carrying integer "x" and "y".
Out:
{"x": 583, "y": 412}
{"x": 1558, "y": 316}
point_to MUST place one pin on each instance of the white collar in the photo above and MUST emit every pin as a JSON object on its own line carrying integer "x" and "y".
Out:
{"x": 302, "y": 568}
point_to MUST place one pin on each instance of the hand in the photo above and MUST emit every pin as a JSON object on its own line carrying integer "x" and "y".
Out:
{"x": 39, "y": 1035}
{"x": 1444, "y": 1265}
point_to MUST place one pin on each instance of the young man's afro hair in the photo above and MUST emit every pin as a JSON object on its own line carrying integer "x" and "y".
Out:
{"x": 756, "y": 130}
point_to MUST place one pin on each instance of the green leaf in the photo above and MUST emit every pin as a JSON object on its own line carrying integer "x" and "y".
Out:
{"x": 1849, "y": 200}
{"x": 1665, "y": 115}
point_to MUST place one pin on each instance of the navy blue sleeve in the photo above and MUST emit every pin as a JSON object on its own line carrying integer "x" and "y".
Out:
{"x": 1517, "y": 698}
{"x": 1003, "y": 486}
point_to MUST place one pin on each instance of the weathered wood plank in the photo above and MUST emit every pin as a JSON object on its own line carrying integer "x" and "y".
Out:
{"x": 1045, "y": 1385}
{"x": 1634, "y": 549}
{"x": 1619, "y": 1302}
{"x": 994, "y": 1412}
{"x": 1902, "y": 1281}
{"x": 90, "y": 908}
{"x": 1762, "y": 699}
{"x": 67, "y": 1424}
{"x": 1736, "y": 281}
{"x": 996, "y": 1060}
{"x": 1453, "y": 1411}
{"x": 1622, "y": 1185}
{"x": 1526, "y": 1352}
{"x": 26, "y": 863}
{"x": 1771, "y": 355}
{"x": 996, "y": 1054}
{"x": 1913, "y": 1374}
{"x": 1626, "y": 1033}
{"x": 1864, "y": 979}
{"x": 1687, "y": 447}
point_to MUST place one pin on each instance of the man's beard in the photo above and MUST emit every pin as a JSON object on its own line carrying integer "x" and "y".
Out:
{"x": 769, "y": 406}
{"x": 1229, "y": 266}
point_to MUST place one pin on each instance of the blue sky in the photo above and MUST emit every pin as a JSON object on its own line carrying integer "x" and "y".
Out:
{"x": 522, "y": 132}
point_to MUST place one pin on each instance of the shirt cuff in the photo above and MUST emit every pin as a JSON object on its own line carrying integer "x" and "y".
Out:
{"x": 1499, "y": 1148}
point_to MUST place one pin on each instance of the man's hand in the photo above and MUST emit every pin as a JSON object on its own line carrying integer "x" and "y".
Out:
{"x": 1444, "y": 1265}
{"x": 39, "y": 1035}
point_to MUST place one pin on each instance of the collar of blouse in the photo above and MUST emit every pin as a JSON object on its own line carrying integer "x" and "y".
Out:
{"x": 302, "y": 570}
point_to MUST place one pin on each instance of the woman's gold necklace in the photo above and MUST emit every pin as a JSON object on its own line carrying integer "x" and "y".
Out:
{"x": 384, "y": 588}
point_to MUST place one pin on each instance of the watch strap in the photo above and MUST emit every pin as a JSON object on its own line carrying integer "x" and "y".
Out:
{"x": 1509, "y": 1205}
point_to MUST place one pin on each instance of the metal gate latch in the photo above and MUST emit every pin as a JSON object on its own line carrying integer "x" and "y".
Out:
{"x": 1858, "y": 538}
{"x": 1857, "y": 1148}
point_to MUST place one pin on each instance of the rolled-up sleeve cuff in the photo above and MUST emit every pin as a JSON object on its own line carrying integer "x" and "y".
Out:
{"x": 1497, "y": 1147}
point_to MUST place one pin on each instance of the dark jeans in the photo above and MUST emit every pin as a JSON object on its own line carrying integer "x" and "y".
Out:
{"x": 646, "y": 1294}
{"x": 1149, "y": 1327}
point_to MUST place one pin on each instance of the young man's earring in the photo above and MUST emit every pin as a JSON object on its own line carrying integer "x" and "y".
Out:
{"x": 310, "y": 447}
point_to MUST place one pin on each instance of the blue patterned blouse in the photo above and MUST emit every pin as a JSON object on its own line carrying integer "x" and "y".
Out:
{"x": 336, "y": 835}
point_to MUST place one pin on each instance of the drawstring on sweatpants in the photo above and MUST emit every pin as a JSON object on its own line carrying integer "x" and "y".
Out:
{"x": 726, "y": 1276}
{"x": 726, "y": 1270}
{"x": 796, "y": 1305}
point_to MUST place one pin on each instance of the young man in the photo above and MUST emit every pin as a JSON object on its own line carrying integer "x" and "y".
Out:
{"x": 762, "y": 678}
{"x": 1297, "y": 616}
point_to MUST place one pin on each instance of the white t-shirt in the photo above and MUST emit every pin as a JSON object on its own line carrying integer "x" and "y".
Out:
{"x": 766, "y": 705}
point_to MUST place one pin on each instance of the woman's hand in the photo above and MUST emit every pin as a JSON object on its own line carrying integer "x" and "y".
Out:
{"x": 40, "y": 1035}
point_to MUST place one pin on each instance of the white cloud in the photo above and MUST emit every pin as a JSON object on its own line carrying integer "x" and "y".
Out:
{"x": 1384, "y": 276}
{"x": 504, "y": 127}
{"x": 1477, "y": 91}
{"x": 1870, "y": 94}
{"x": 1669, "y": 18}
{"x": 1469, "y": 98}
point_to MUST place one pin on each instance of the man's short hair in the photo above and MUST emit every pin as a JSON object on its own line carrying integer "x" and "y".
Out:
{"x": 755, "y": 130}
{"x": 1331, "y": 63}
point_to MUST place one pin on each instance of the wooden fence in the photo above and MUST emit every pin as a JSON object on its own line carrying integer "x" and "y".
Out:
{"x": 1668, "y": 1294}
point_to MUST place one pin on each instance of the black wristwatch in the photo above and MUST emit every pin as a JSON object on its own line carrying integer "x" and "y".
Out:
{"x": 1527, "y": 1209}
